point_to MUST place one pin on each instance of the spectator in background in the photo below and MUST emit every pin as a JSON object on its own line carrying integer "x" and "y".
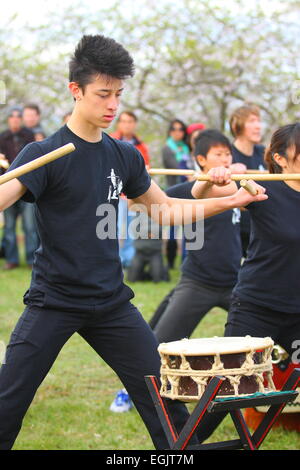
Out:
{"x": 193, "y": 130}
{"x": 126, "y": 131}
{"x": 38, "y": 136}
{"x": 176, "y": 152}
{"x": 12, "y": 141}
{"x": 245, "y": 125}
{"x": 175, "y": 155}
{"x": 148, "y": 252}
{"x": 32, "y": 119}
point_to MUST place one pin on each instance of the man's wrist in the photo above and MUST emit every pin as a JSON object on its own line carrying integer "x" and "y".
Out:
{"x": 230, "y": 202}
{"x": 200, "y": 188}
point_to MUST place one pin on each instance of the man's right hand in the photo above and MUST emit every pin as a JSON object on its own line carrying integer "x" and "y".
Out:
{"x": 242, "y": 197}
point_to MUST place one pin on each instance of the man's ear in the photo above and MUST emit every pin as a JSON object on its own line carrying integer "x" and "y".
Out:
{"x": 201, "y": 160}
{"x": 75, "y": 90}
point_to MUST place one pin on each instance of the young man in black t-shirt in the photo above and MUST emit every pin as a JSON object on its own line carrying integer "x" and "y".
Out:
{"x": 77, "y": 282}
{"x": 247, "y": 151}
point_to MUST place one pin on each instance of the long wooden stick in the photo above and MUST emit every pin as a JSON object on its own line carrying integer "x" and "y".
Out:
{"x": 171, "y": 171}
{"x": 234, "y": 177}
{"x": 37, "y": 163}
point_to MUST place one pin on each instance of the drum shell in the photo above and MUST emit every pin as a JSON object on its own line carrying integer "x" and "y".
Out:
{"x": 247, "y": 384}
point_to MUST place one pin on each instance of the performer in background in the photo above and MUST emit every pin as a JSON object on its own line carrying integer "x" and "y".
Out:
{"x": 210, "y": 273}
{"x": 245, "y": 125}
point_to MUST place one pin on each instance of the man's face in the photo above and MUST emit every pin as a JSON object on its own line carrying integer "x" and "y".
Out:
{"x": 15, "y": 121}
{"x": 218, "y": 155}
{"x": 252, "y": 129}
{"x": 127, "y": 125}
{"x": 30, "y": 117}
{"x": 99, "y": 102}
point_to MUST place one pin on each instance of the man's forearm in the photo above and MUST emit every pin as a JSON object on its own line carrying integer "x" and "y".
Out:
{"x": 11, "y": 192}
{"x": 207, "y": 189}
{"x": 172, "y": 211}
{"x": 187, "y": 211}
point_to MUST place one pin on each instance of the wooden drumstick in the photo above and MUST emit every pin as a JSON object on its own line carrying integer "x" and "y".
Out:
{"x": 37, "y": 163}
{"x": 234, "y": 177}
{"x": 249, "y": 187}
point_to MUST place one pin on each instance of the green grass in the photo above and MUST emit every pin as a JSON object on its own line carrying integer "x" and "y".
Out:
{"x": 71, "y": 408}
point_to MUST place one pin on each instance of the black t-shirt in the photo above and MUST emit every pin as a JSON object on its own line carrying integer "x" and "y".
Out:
{"x": 270, "y": 275}
{"x": 218, "y": 262}
{"x": 253, "y": 162}
{"x": 74, "y": 195}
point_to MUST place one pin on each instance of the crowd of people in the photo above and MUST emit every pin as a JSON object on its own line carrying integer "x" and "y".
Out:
{"x": 23, "y": 127}
{"x": 144, "y": 258}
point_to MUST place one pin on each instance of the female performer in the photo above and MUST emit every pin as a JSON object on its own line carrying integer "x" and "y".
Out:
{"x": 266, "y": 298}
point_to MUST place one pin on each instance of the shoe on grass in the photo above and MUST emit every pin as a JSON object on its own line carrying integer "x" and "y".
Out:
{"x": 121, "y": 403}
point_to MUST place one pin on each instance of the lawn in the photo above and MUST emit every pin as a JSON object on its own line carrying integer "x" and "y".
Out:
{"x": 71, "y": 408}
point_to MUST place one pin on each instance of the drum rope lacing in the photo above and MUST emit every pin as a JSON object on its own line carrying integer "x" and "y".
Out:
{"x": 170, "y": 375}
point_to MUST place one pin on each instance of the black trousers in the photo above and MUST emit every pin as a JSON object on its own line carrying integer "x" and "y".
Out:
{"x": 136, "y": 270}
{"x": 246, "y": 318}
{"x": 184, "y": 307}
{"x": 121, "y": 337}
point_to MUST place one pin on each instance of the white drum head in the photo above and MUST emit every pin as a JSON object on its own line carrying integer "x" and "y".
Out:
{"x": 216, "y": 345}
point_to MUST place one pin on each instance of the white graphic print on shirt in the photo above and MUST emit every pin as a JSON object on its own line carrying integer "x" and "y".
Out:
{"x": 116, "y": 186}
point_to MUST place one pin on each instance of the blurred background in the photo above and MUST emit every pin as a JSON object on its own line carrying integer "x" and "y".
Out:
{"x": 195, "y": 60}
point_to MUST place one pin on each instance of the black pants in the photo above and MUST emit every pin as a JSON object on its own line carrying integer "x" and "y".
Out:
{"x": 121, "y": 337}
{"x": 245, "y": 318}
{"x": 136, "y": 270}
{"x": 182, "y": 309}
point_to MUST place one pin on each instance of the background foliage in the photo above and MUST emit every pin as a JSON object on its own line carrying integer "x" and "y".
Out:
{"x": 194, "y": 60}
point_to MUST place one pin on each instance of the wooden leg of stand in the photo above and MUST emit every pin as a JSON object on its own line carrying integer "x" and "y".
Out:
{"x": 162, "y": 410}
{"x": 242, "y": 429}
